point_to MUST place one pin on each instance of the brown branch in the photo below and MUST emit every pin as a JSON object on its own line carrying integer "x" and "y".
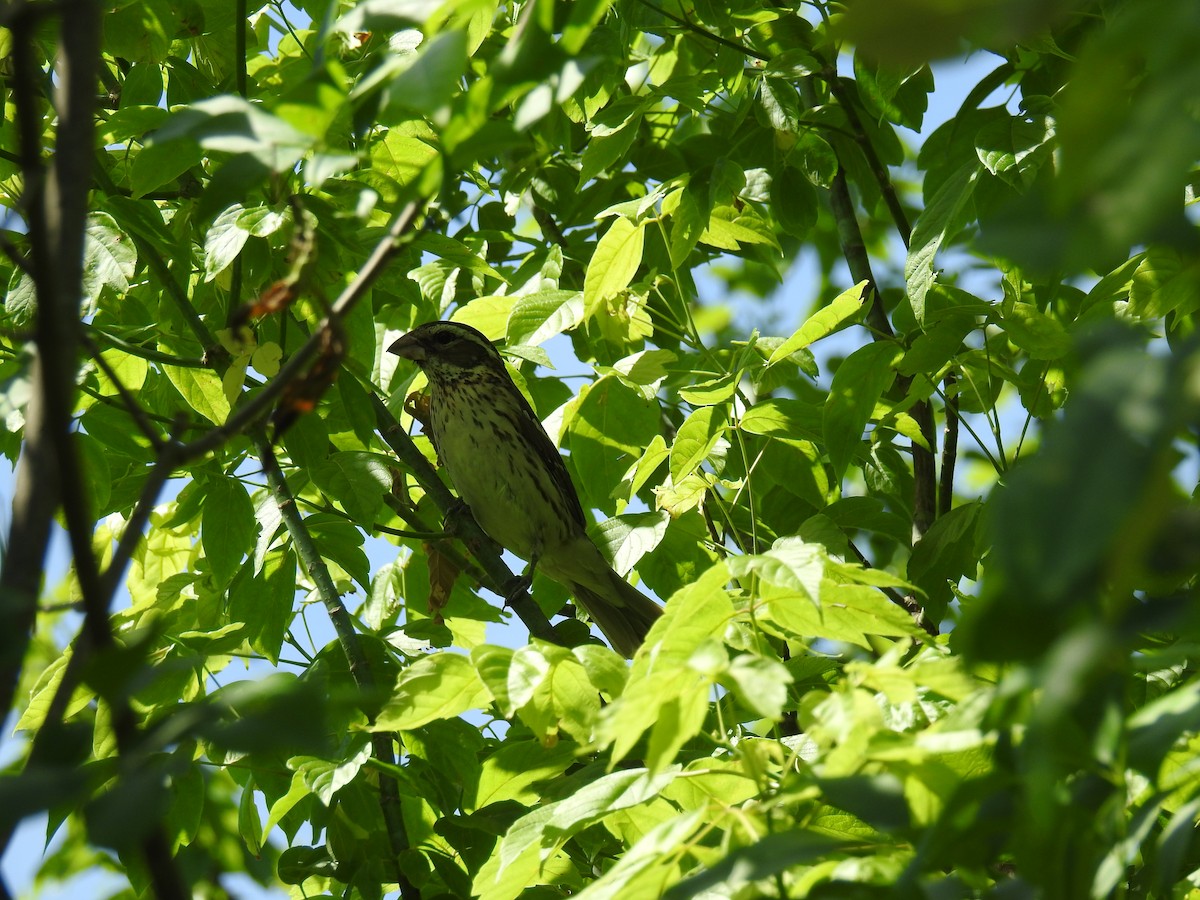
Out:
{"x": 855, "y": 251}
{"x": 146, "y": 353}
{"x": 14, "y": 254}
{"x": 705, "y": 33}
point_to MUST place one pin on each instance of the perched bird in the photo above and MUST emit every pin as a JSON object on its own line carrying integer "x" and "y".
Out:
{"x": 508, "y": 471}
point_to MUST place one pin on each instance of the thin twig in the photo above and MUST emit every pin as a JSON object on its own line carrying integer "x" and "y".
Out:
{"x": 13, "y": 252}
{"x": 131, "y": 405}
{"x": 705, "y": 33}
{"x": 908, "y": 603}
{"x": 924, "y": 473}
{"x": 146, "y": 353}
{"x": 854, "y": 249}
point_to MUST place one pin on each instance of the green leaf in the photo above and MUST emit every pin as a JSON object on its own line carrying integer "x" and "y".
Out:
{"x": 140, "y": 32}
{"x": 158, "y": 164}
{"x": 427, "y": 84}
{"x": 695, "y": 440}
{"x": 626, "y": 539}
{"x": 771, "y": 855}
{"x": 340, "y": 542}
{"x": 1156, "y": 727}
{"x": 643, "y": 371}
{"x": 1014, "y": 149}
{"x": 945, "y": 554}
{"x": 614, "y": 262}
{"x": 537, "y": 317}
{"x": 793, "y": 64}
{"x": 900, "y": 95}
{"x": 611, "y": 426}
{"x": 97, "y": 472}
{"x": 356, "y": 479}
{"x": 230, "y": 124}
{"x": 941, "y": 218}
{"x": 228, "y": 525}
{"x": 437, "y": 687}
{"x": 794, "y": 201}
{"x": 369, "y": 15}
{"x": 664, "y": 694}
{"x": 688, "y": 219}
{"x": 823, "y": 322}
{"x": 784, "y": 417}
{"x": 553, "y": 824}
{"x": 728, "y": 228}
{"x": 715, "y": 390}
{"x": 109, "y": 257}
{"x": 263, "y": 602}
{"x": 780, "y": 104}
{"x": 1163, "y": 282}
{"x": 790, "y": 563}
{"x": 760, "y": 684}
{"x": 202, "y": 391}
{"x": 224, "y": 241}
{"x": 847, "y": 613}
{"x": 876, "y": 799}
{"x": 514, "y": 771}
{"x": 1038, "y": 334}
{"x": 585, "y": 15}
{"x": 606, "y": 152}
{"x": 857, "y": 386}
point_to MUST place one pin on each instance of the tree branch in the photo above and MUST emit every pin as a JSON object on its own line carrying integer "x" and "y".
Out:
{"x": 36, "y": 493}
{"x": 882, "y": 177}
{"x": 924, "y": 475}
{"x": 146, "y": 353}
{"x": 949, "y": 447}
{"x": 360, "y": 667}
{"x": 705, "y": 33}
{"x": 131, "y": 405}
{"x": 56, "y": 207}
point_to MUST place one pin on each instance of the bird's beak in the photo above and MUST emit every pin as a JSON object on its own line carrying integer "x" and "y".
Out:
{"x": 409, "y": 347}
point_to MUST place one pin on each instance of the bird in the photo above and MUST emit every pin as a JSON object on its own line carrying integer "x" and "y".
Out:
{"x": 510, "y": 475}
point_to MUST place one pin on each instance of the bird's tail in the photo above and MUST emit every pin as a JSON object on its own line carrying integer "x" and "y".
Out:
{"x": 622, "y": 612}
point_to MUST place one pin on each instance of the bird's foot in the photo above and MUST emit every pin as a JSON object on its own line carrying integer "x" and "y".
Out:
{"x": 456, "y": 515}
{"x": 518, "y": 586}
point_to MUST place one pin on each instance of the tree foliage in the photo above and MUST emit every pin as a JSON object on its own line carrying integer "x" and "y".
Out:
{"x": 927, "y": 546}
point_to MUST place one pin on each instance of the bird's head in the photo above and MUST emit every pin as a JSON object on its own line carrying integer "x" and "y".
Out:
{"x": 448, "y": 350}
